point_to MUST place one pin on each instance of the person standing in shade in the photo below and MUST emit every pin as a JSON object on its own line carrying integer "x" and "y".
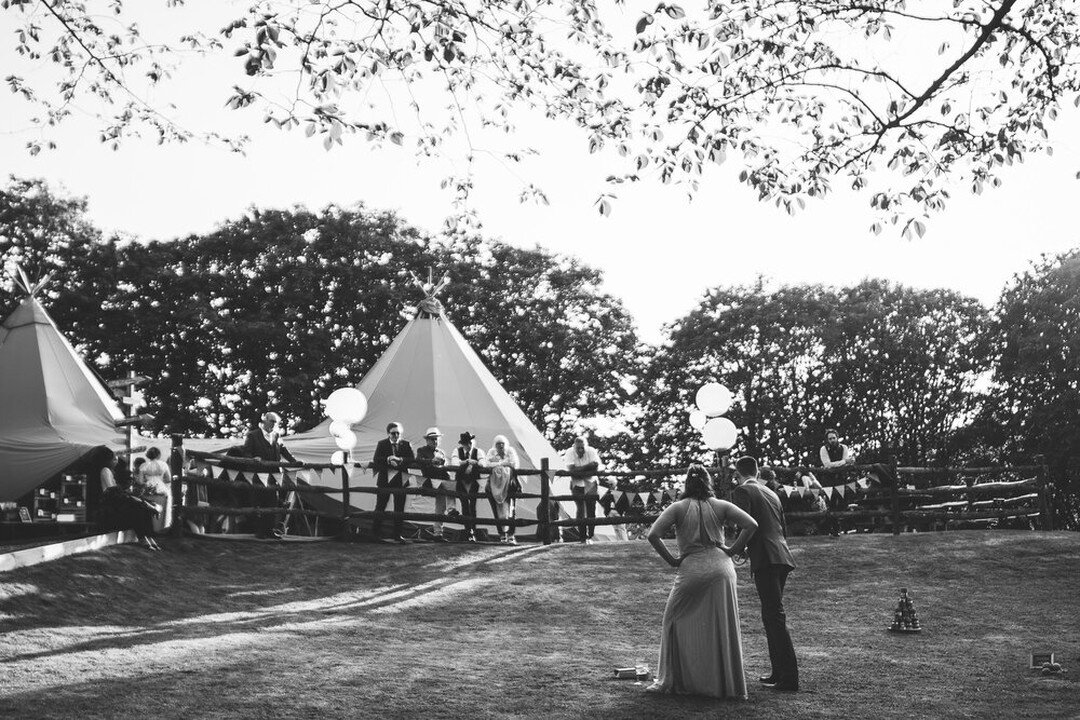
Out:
{"x": 432, "y": 460}
{"x": 835, "y": 453}
{"x": 582, "y": 462}
{"x": 770, "y": 563}
{"x": 264, "y": 443}
{"x": 392, "y": 456}
{"x": 467, "y": 480}
{"x": 503, "y": 461}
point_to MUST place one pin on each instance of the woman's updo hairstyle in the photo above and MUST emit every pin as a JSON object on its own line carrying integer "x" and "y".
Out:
{"x": 698, "y": 483}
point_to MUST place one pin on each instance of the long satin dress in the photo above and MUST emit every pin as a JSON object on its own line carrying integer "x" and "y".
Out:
{"x": 701, "y": 643}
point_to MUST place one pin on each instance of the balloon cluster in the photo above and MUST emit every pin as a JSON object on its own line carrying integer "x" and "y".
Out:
{"x": 713, "y": 400}
{"x": 345, "y": 407}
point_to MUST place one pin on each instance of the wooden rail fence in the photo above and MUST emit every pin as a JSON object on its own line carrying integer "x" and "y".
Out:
{"x": 901, "y": 497}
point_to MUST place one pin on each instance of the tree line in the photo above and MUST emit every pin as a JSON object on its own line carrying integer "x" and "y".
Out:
{"x": 279, "y": 307}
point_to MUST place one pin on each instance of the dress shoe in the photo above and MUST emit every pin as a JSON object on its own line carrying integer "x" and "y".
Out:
{"x": 767, "y": 680}
{"x": 785, "y": 685}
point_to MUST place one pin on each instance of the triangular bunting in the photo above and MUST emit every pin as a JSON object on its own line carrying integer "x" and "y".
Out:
{"x": 829, "y": 491}
{"x": 216, "y": 471}
{"x": 258, "y": 478}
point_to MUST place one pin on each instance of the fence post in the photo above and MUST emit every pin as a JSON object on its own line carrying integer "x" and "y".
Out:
{"x": 895, "y": 496}
{"x": 544, "y": 518}
{"x": 1046, "y": 508}
{"x": 177, "y": 462}
{"x": 345, "y": 505}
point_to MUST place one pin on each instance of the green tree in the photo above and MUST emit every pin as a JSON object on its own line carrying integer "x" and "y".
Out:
{"x": 1035, "y": 396}
{"x": 767, "y": 346}
{"x": 904, "y": 365}
{"x": 905, "y": 103}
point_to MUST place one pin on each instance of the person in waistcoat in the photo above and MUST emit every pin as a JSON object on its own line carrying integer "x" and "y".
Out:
{"x": 770, "y": 563}
{"x": 392, "y": 456}
{"x": 469, "y": 460}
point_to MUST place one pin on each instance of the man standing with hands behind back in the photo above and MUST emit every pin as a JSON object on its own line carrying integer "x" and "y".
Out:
{"x": 770, "y": 563}
{"x": 392, "y": 456}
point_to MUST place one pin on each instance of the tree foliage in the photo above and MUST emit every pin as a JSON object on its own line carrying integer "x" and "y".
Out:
{"x": 906, "y": 101}
{"x": 1035, "y": 397}
{"x": 278, "y": 308}
{"x": 893, "y": 368}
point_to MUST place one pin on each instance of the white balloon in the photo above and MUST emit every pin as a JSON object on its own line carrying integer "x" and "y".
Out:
{"x": 338, "y": 458}
{"x": 346, "y": 441}
{"x": 698, "y": 419}
{"x": 338, "y": 428}
{"x": 714, "y": 399}
{"x": 720, "y": 434}
{"x": 347, "y": 405}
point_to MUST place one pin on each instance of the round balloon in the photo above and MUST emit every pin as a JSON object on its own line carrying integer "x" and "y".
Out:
{"x": 698, "y": 419}
{"x": 347, "y": 405}
{"x": 719, "y": 434}
{"x": 346, "y": 441}
{"x": 338, "y": 458}
{"x": 338, "y": 428}
{"x": 714, "y": 399}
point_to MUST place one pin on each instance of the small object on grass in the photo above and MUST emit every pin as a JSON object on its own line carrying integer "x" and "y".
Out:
{"x": 905, "y": 619}
{"x": 1052, "y": 668}
{"x": 1040, "y": 660}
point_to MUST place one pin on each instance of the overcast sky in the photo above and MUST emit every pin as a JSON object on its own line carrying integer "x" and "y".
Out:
{"x": 659, "y": 251}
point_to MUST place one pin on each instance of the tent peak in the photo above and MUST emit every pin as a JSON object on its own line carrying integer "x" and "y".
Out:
{"x": 430, "y": 306}
{"x": 30, "y": 288}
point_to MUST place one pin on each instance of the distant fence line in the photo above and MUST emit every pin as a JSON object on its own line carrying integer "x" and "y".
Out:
{"x": 893, "y": 505}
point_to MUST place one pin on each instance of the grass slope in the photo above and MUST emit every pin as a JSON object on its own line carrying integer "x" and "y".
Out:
{"x": 235, "y": 630}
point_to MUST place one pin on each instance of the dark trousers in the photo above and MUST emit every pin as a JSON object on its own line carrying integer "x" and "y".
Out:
{"x": 510, "y": 529}
{"x": 381, "y": 499}
{"x": 467, "y": 495}
{"x": 770, "y": 581}
{"x": 586, "y": 508}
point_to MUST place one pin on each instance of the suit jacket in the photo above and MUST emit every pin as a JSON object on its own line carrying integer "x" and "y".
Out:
{"x": 425, "y": 459}
{"x": 768, "y": 546}
{"x": 383, "y": 472}
{"x": 256, "y": 446}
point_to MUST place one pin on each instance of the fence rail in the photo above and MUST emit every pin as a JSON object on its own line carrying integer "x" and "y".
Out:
{"x": 894, "y": 504}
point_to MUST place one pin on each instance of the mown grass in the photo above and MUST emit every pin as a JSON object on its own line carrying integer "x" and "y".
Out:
{"x": 234, "y": 630}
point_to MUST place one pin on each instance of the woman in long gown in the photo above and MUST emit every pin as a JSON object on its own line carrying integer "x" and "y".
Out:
{"x": 701, "y": 644}
{"x": 503, "y": 461}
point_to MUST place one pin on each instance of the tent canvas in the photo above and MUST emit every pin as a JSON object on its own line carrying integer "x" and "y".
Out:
{"x": 430, "y": 376}
{"x": 53, "y": 409}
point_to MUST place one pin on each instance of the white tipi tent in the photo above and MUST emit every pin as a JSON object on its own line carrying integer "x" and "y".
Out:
{"x": 53, "y": 409}
{"x": 429, "y": 376}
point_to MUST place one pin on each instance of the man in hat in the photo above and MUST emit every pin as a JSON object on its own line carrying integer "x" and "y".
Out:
{"x": 770, "y": 563}
{"x": 467, "y": 478}
{"x": 392, "y": 456}
{"x": 432, "y": 460}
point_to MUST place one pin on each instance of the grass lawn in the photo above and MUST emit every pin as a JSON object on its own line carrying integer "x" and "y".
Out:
{"x": 214, "y": 629}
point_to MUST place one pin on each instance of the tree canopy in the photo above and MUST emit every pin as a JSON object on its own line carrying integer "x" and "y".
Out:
{"x": 905, "y": 101}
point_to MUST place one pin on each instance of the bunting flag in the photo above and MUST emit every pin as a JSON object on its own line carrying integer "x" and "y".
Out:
{"x": 828, "y": 492}
{"x": 862, "y": 483}
{"x": 216, "y": 471}
{"x": 851, "y": 488}
{"x": 258, "y": 479}
{"x": 839, "y": 490}
{"x": 654, "y": 498}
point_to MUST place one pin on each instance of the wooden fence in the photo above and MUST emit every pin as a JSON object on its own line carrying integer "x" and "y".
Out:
{"x": 912, "y": 501}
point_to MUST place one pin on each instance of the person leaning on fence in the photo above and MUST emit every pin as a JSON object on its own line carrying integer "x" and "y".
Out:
{"x": 834, "y": 453}
{"x": 120, "y": 509}
{"x": 392, "y": 456}
{"x": 467, "y": 481}
{"x": 503, "y": 461}
{"x": 264, "y": 443}
{"x": 432, "y": 461}
{"x": 583, "y": 462}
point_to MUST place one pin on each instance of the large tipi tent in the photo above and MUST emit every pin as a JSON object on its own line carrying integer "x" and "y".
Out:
{"x": 429, "y": 376}
{"x": 53, "y": 409}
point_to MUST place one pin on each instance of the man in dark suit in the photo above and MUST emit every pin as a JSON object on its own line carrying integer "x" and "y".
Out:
{"x": 392, "y": 456}
{"x": 264, "y": 443}
{"x": 770, "y": 563}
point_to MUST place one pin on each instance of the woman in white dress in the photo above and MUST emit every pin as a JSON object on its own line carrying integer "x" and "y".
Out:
{"x": 155, "y": 476}
{"x": 503, "y": 461}
{"x": 701, "y": 644}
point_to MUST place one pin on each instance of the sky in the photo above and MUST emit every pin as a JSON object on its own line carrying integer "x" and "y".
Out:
{"x": 659, "y": 251}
